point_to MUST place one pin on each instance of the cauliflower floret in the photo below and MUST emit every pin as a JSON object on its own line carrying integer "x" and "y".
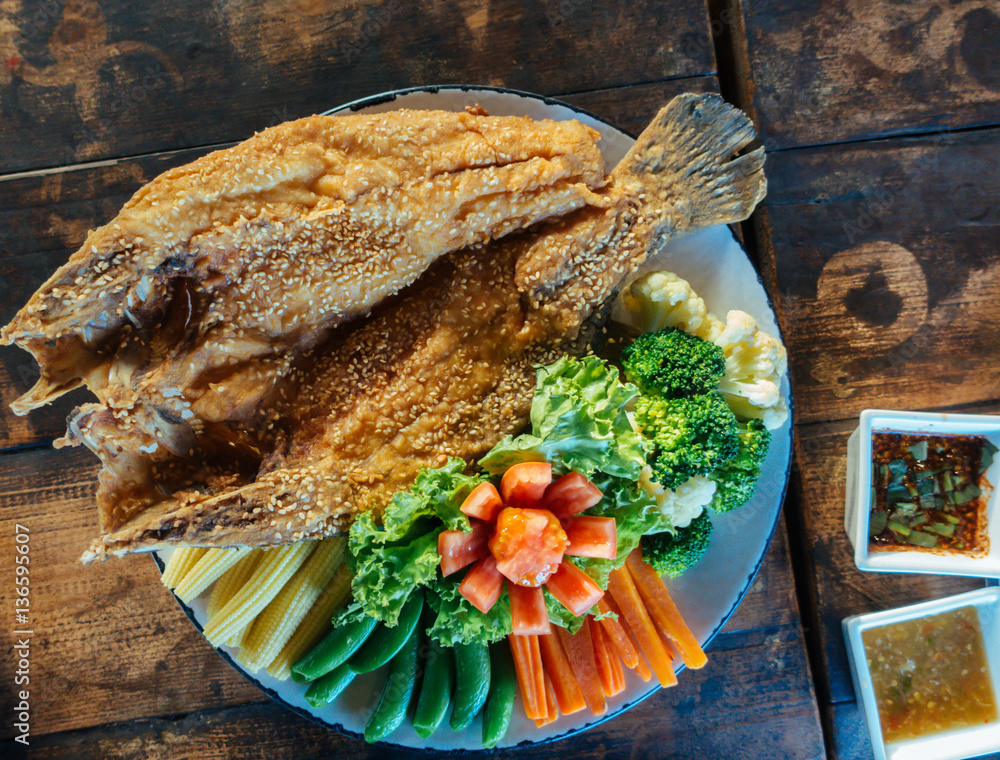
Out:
{"x": 755, "y": 361}
{"x": 748, "y": 350}
{"x": 682, "y": 504}
{"x": 772, "y": 416}
{"x": 662, "y": 299}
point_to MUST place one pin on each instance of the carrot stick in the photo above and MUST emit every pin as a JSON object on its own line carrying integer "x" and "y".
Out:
{"x": 580, "y": 653}
{"x": 602, "y": 656}
{"x": 537, "y": 671}
{"x": 617, "y": 672}
{"x": 622, "y": 639}
{"x": 551, "y": 711}
{"x": 530, "y": 676}
{"x": 643, "y": 671}
{"x": 616, "y": 667}
{"x": 664, "y": 612}
{"x": 557, "y": 667}
{"x": 624, "y": 592}
{"x": 616, "y": 632}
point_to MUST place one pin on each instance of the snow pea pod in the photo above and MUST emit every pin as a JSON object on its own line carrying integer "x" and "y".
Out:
{"x": 325, "y": 689}
{"x": 384, "y": 642}
{"x": 333, "y": 651}
{"x": 398, "y": 691}
{"x": 472, "y": 682}
{"x": 500, "y": 700}
{"x": 435, "y": 690}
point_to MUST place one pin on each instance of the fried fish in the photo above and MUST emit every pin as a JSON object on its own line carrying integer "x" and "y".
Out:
{"x": 444, "y": 369}
{"x": 191, "y": 304}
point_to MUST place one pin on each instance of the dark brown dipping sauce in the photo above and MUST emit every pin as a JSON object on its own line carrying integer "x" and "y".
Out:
{"x": 929, "y": 493}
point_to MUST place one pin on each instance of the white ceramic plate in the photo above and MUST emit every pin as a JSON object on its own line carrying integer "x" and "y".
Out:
{"x": 720, "y": 272}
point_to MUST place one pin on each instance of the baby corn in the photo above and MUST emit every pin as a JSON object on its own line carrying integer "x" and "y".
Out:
{"x": 209, "y": 567}
{"x": 232, "y": 581}
{"x": 274, "y": 570}
{"x": 181, "y": 562}
{"x": 275, "y": 625}
{"x": 315, "y": 625}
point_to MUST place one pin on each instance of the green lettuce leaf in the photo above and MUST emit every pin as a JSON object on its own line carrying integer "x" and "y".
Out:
{"x": 457, "y": 621}
{"x": 579, "y": 422}
{"x": 392, "y": 558}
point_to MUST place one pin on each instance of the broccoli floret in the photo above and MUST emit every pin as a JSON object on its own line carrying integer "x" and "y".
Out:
{"x": 672, "y": 554}
{"x": 691, "y": 436}
{"x": 755, "y": 361}
{"x": 733, "y": 488}
{"x": 673, "y": 363}
{"x": 736, "y": 480}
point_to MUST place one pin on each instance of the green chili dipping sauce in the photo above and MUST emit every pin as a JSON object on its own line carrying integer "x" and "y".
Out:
{"x": 928, "y": 492}
{"x": 930, "y": 675}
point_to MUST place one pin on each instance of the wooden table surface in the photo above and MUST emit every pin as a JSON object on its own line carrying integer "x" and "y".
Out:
{"x": 879, "y": 242}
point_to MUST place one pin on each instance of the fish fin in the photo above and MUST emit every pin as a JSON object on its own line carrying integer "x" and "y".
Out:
{"x": 686, "y": 163}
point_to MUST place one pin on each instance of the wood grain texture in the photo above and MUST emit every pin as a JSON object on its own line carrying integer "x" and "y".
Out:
{"x": 884, "y": 261}
{"x": 849, "y": 732}
{"x": 830, "y": 72}
{"x": 836, "y": 587}
{"x": 88, "y": 80}
{"x": 110, "y": 644}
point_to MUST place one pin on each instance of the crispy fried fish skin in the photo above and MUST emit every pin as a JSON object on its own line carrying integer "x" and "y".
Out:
{"x": 447, "y": 369}
{"x": 262, "y": 248}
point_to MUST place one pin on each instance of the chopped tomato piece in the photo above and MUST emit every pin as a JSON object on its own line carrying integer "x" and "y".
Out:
{"x": 527, "y": 610}
{"x": 570, "y": 495}
{"x": 524, "y": 484}
{"x": 591, "y": 537}
{"x": 484, "y": 502}
{"x": 482, "y": 584}
{"x": 528, "y": 545}
{"x": 458, "y": 549}
{"x": 574, "y": 588}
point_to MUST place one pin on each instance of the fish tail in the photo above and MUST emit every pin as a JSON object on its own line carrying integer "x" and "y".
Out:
{"x": 686, "y": 164}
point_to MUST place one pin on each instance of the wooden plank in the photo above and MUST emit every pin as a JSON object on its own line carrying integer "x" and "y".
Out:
{"x": 849, "y": 738}
{"x": 109, "y": 644}
{"x": 836, "y": 587}
{"x": 884, "y": 260}
{"x": 45, "y": 217}
{"x": 85, "y": 81}
{"x": 766, "y": 676}
{"x": 829, "y": 72}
